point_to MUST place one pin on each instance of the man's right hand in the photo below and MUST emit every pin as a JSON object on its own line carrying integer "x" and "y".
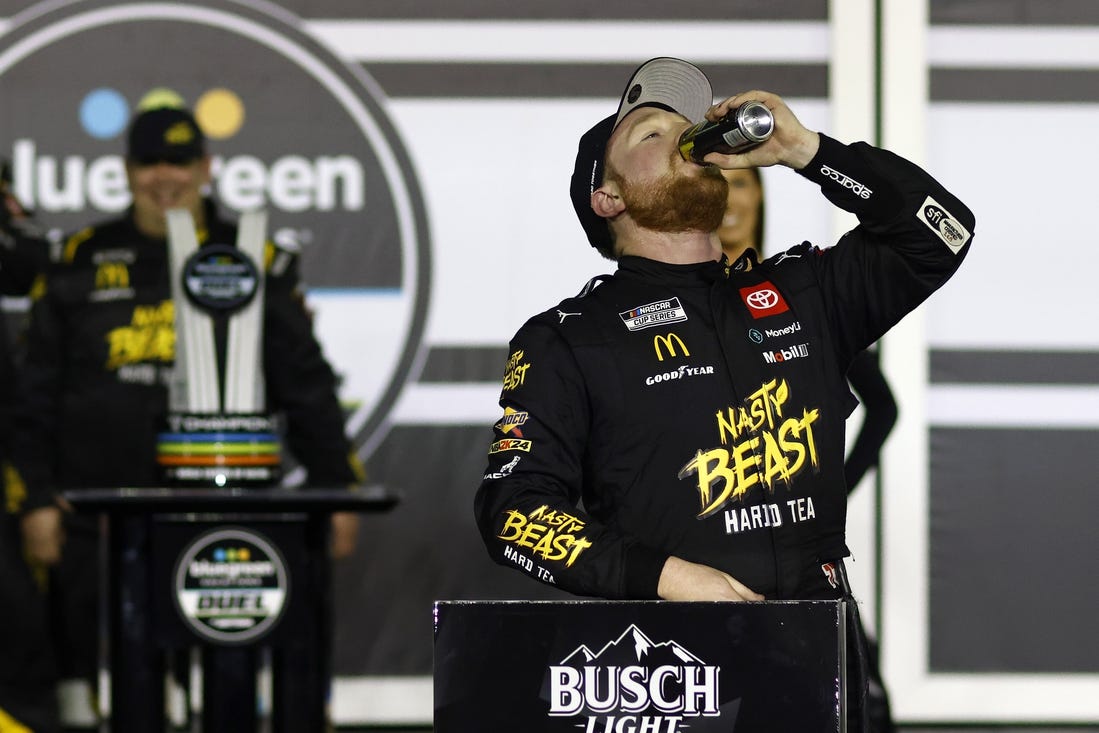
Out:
{"x": 681, "y": 580}
{"x": 792, "y": 144}
{"x": 43, "y": 535}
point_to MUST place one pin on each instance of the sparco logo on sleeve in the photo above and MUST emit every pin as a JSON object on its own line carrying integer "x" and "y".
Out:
{"x": 939, "y": 220}
{"x": 847, "y": 182}
{"x": 309, "y": 140}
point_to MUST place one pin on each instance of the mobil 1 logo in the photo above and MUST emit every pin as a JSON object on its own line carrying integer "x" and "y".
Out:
{"x": 291, "y": 129}
{"x": 231, "y": 585}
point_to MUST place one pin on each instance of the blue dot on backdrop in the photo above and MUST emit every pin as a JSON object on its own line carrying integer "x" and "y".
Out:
{"x": 104, "y": 113}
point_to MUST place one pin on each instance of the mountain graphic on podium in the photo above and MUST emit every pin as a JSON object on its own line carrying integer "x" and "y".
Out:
{"x": 631, "y": 648}
{"x": 620, "y": 676}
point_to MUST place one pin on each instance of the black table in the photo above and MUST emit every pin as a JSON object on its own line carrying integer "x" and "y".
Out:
{"x": 232, "y": 572}
{"x": 640, "y": 666}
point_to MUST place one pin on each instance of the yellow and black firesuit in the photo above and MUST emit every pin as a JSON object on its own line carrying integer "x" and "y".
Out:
{"x": 698, "y": 411}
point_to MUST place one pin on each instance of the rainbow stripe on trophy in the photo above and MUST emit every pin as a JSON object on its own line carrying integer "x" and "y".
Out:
{"x": 217, "y": 431}
{"x": 220, "y": 450}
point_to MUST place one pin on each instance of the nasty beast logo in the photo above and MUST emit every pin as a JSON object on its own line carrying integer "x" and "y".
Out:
{"x": 347, "y": 200}
{"x": 634, "y": 684}
{"x": 149, "y": 337}
{"x": 550, "y": 534}
{"x": 760, "y": 444}
{"x": 515, "y": 371}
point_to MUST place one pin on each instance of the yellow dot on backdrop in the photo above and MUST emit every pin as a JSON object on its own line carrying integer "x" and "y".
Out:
{"x": 220, "y": 113}
{"x": 160, "y": 97}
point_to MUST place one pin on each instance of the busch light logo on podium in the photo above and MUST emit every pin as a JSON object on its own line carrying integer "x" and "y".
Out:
{"x": 634, "y": 684}
{"x": 231, "y": 585}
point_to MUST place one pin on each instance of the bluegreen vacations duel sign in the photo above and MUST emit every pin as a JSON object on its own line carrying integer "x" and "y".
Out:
{"x": 231, "y": 585}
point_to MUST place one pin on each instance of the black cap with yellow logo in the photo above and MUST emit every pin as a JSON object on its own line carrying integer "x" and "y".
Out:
{"x": 165, "y": 134}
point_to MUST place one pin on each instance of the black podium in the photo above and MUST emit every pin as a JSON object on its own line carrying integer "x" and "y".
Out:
{"x": 233, "y": 573}
{"x": 640, "y": 667}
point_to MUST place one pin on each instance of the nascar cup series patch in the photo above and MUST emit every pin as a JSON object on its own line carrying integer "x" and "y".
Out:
{"x": 660, "y": 313}
{"x": 940, "y": 221}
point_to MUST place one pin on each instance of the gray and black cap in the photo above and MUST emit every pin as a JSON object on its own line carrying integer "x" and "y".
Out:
{"x": 668, "y": 83}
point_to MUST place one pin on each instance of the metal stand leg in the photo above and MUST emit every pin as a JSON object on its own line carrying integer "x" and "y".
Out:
{"x": 229, "y": 689}
{"x": 137, "y": 673}
{"x": 302, "y": 668}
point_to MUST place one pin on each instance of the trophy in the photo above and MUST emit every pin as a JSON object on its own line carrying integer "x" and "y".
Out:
{"x": 217, "y": 431}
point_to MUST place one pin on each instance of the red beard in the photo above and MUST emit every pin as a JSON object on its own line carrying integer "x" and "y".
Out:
{"x": 678, "y": 203}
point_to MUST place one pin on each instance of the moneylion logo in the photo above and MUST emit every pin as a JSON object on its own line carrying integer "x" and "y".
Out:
{"x": 309, "y": 140}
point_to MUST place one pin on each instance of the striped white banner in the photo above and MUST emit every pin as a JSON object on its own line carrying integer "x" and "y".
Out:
{"x": 1012, "y": 47}
{"x": 573, "y": 41}
{"x": 1014, "y": 406}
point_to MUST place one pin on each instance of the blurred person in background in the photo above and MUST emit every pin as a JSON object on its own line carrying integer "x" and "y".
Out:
{"x": 100, "y": 350}
{"x": 28, "y": 676}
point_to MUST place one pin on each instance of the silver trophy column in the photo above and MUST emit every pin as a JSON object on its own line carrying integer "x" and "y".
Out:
{"x": 218, "y": 432}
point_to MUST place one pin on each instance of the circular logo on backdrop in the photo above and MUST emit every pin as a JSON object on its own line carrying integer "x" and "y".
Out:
{"x": 291, "y": 129}
{"x": 231, "y": 585}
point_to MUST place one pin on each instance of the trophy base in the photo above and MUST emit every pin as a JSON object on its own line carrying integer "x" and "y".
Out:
{"x": 219, "y": 450}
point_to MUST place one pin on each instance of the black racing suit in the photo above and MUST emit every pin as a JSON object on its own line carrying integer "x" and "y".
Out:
{"x": 93, "y": 394}
{"x": 699, "y": 412}
{"x": 27, "y": 674}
